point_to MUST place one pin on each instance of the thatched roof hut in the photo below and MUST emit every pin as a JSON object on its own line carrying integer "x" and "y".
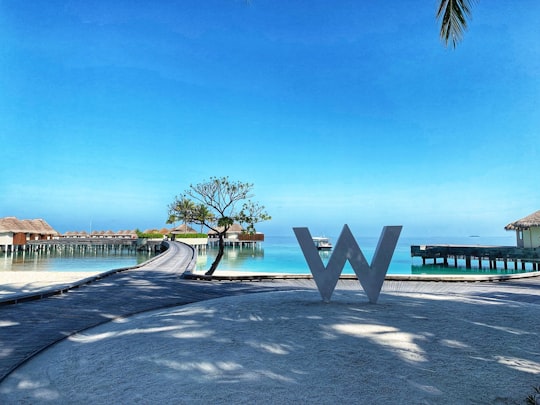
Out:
{"x": 184, "y": 228}
{"x": 527, "y": 222}
{"x": 30, "y": 226}
{"x": 234, "y": 230}
{"x": 14, "y": 231}
{"x": 527, "y": 230}
{"x": 151, "y": 230}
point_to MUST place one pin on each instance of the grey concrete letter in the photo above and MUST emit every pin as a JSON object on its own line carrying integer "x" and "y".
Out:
{"x": 371, "y": 277}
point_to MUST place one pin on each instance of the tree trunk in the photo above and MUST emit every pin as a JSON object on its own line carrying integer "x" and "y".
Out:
{"x": 214, "y": 265}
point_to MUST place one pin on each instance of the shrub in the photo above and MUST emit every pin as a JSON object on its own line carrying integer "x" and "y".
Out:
{"x": 155, "y": 235}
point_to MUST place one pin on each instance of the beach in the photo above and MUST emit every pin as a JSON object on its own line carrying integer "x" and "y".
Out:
{"x": 14, "y": 283}
{"x": 423, "y": 343}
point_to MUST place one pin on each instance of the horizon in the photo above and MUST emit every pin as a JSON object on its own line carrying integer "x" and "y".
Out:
{"x": 341, "y": 113}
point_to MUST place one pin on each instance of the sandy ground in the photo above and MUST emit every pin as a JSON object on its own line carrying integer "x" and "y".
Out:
{"x": 14, "y": 283}
{"x": 290, "y": 347}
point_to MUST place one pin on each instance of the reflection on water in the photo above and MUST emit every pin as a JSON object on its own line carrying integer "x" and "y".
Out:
{"x": 462, "y": 270}
{"x": 234, "y": 258}
{"x": 275, "y": 258}
{"x": 72, "y": 260}
{"x": 283, "y": 255}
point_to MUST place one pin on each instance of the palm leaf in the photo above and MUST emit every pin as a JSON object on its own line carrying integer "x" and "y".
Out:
{"x": 454, "y": 14}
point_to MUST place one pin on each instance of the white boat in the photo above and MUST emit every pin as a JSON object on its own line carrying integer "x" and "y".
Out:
{"x": 322, "y": 243}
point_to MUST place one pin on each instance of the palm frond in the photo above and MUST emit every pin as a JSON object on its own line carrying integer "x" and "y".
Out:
{"x": 453, "y": 15}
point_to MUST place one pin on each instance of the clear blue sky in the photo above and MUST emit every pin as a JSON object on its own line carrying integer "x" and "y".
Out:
{"x": 339, "y": 112}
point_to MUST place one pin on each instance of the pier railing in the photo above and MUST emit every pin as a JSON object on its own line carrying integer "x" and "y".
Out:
{"x": 94, "y": 243}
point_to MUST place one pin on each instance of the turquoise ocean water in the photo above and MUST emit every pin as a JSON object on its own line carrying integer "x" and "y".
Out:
{"x": 277, "y": 254}
{"x": 283, "y": 255}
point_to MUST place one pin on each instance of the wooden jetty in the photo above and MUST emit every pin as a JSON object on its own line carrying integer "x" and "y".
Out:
{"x": 443, "y": 254}
{"x": 240, "y": 240}
{"x": 93, "y": 244}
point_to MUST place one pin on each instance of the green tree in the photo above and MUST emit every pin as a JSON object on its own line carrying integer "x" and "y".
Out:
{"x": 453, "y": 15}
{"x": 222, "y": 198}
{"x": 181, "y": 210}
{"x": 203, "y": 215}
{"x": 250, "y": 215}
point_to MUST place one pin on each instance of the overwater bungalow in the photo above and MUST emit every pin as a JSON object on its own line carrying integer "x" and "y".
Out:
{"x": 15, "y": 233}
{"x": 527, "y": 230}
{"x": 236, "y": 236}
{"x": 182, "y": 229}
{"x": 233, "y": 232}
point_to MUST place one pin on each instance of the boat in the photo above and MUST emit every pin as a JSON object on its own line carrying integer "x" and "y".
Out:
{"x": 322, "y": 243}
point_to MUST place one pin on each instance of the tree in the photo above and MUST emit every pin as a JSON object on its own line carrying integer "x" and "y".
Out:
{"x": 453, "y": 15}
{"x": 250, "y": 215}
{"x": 221, "y": 197}
{"x": 182, "y": 211}
{"x": 203, "y": 214}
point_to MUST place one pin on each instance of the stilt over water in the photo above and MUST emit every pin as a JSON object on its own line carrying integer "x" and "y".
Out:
{"x": 85, "y": 245}
{"x": 520, "y": 258}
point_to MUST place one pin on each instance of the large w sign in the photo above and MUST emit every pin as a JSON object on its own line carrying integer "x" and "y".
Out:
{"x": 371, "y": 277}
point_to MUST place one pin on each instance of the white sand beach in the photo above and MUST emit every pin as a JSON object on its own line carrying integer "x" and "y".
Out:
{"x": 14, "y": 283}
{"x": 290, "y": 347}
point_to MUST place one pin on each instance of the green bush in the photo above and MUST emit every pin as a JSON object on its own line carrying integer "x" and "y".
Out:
{"x": 149, "y": 235}
{"x": 190, "y": 235}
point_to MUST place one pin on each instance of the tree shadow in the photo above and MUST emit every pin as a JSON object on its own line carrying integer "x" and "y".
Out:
{"x": 289, "y": 346}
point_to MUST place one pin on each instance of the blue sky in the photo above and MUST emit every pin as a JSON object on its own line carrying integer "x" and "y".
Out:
{"x": 339, "y": 112}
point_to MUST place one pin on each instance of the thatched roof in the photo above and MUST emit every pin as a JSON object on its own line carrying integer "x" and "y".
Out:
{"x": 152, "y": 230}
{"x": 183, "y": 229}
{"x": 44, "y": 227}
{"x": 33, "y": 226}
{"x": 235, "y": 228}
{"x": 11, "y": 224}
{"x": 525, "y": 223}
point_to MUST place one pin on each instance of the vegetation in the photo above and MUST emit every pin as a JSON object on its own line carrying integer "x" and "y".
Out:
{"x": 218, "y": 203}
{"x": 190, "y": 235}
{"x": 453, "y": 15}
{"x": 153, "y": 235}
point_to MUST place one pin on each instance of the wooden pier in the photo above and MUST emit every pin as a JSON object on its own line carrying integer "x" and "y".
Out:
{"x": 92, "y": 244}
{"x": 237, "y": 242}
{"x": 444, "y": 254}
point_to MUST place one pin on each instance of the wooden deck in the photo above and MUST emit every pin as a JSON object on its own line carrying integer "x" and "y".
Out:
{"x": 231, "y": 242}
{"x": 444, "y": 254}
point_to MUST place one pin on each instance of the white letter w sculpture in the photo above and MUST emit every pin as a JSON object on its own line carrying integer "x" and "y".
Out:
{"x": 371, "y": 277}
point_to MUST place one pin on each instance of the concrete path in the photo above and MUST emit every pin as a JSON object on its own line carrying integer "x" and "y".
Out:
{"x": 28, "y": 327}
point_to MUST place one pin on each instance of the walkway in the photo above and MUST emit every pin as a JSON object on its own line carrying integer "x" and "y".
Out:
{"x": 29, "y": 327}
